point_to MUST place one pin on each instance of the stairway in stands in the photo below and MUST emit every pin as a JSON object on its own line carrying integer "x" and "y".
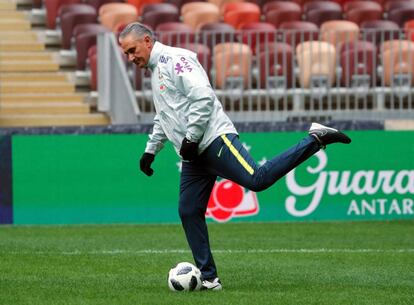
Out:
{"x": 33, "y": 92}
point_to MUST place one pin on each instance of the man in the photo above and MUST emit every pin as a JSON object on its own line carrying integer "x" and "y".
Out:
{"x": 189, "y": 115}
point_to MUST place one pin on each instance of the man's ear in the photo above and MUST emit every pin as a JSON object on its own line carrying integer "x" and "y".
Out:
{"x": 148, "y": 41}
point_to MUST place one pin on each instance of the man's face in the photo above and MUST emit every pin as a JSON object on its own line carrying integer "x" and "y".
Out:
{"x": 138, "y": 50}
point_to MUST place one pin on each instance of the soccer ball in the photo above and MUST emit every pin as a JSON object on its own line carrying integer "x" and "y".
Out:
{"x": 184, "y": 277}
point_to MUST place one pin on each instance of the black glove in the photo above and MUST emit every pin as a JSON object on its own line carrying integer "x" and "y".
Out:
{"x": 145, "y": 163}
{"x": 189, "y": 150}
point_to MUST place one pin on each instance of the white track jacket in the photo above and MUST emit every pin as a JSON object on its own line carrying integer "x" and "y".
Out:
{"x": 185, "y": 102}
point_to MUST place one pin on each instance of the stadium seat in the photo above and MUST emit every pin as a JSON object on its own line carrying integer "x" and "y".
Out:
{"x": 398, "y": 4}
{"x": 98, "y": 3}
{"x": 317, "y": 64}
{"x": 37, "y": 3}
{"x": 319, "y": 12}
{"x": 398, "y": 62}
{"x": 216, "y": 32}
{"x": 196, "y": 14}
{"x": 52, "y": 8}
{"x": 222, "y": 3}
{"x": 358, "y": 62}
{"x": 179, "y": 3}
{"x": 378, "y": 31}
{"x": 139, "y": 4}
{"x": 85, "y": 37}
{"x": 401, "y": 15}
{"x": 281, "y": 6}
{"x": 295, "y": 32}
{"x": 360, "y": 11}
{"x": 203, "y": 54}
{"x": 165, "y": 7}
{"x": 238, "y": 13}
{"x": 93, "y": 65}
{"x": 337, "y": 32}
{"x": 154, "y": 18}
{"x": 72, "y": 15}
{"x": 232, "y": 65}
{"x": 351, "y": 5}
{"x": 255, "y": 33}
{"x": 409, "y": 30}
{"x": 113, "y": 15}
{"x": 240, "y": 6}
{"x": 320, "y": 4}
{"x": 238, "y": 18}
{"x": 278, "y": 12}
{"x": 276, "y": 66}
{"x": 196, "y": 6}
{"x": 175, "y": 33}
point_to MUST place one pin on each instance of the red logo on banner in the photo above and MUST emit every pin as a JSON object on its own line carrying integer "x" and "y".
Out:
{"x": 228, "y": 199}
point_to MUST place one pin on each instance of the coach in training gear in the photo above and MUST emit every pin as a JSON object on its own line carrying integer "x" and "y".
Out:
{"x": 189, "y": 114}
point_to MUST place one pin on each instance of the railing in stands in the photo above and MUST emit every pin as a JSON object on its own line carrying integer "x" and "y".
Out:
{"x": 298, "y": 76}
{"x": 115, "y": 93}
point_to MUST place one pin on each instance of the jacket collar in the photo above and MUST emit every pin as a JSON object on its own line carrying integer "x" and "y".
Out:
{"x": 155, "y": 54}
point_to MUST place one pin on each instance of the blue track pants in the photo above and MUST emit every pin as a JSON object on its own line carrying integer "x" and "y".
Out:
{"x": 227, "y": 158}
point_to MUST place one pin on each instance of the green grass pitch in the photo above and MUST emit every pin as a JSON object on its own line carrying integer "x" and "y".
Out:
{"x": 259, "y": 263}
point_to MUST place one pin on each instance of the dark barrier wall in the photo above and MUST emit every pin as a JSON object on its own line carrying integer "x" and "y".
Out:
{"x": 6, "y": 196}
{"x": 94, "y": 178}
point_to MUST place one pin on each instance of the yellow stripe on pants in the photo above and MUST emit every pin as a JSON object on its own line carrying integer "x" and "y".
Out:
{"x": 239, "y": 157}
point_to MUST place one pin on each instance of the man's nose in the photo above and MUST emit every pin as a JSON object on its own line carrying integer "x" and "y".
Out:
{"x": 131, "y": 57}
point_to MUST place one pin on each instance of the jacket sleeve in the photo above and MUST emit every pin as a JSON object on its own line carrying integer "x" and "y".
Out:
{"x": 156, "y": 139}
{"x": 191, "y": 80}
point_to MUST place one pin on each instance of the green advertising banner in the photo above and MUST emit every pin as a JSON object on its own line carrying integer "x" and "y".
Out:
{"x": 65, "y": 179}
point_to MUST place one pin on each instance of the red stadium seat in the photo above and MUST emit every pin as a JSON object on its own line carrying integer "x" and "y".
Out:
{"x": 255, "y": 33}
{"x": 72, "y": 15}
{"x": 175, "y": 33}
{"x": 392, "y": 5}
{"x": 409, "y": 30}
{"x": 358, "y": 62}
{"x": 164, "y": 7}
{"x": 139, "y": 4}
{"x": 238, "y": 18}
{"x": 216, "y": 32}
{"x": 281, "y": 6}
{"x": 154, "y": 18}
{"x": 319, "y": 12}
{"x": 98, "y": 3}
{"x": 295, "y": 32}
{"x": 378, "y": 31}
{"x": 93, "y": 64}
{"x": 278, "y": 13}
{"x": 52, "y": 8}
{"x": 276, "y": 66}
{"x": 401, "y": 15}
{"x": 85, "y": 37}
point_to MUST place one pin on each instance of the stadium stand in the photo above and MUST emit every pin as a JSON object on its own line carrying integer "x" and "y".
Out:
{"x": 304, "y": 52}
{"x": 33, "y": 90}
{"x": 277, "y": 12}
{"x": 196, "y": 14}
{"x": 175, "y": 33}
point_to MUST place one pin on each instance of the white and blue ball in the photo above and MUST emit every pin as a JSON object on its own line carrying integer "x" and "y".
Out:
{"x": 184, "y": 277}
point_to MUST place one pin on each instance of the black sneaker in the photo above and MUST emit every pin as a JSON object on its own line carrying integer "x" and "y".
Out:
{"x": 213, "y": 284}
{"x": 327, "y": 135}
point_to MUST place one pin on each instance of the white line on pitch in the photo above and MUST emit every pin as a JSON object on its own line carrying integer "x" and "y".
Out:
{"x": 218, "y": 251}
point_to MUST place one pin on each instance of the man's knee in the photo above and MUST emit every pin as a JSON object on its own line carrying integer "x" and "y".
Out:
{"x": 188, "y": 212}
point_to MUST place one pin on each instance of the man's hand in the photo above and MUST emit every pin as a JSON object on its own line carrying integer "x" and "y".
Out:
{"x": 189, "y": 150}
{"x": 145, "y": 163}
